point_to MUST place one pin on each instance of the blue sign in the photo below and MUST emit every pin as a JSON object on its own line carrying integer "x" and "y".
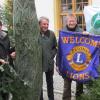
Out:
{"x": 79, "y": 56}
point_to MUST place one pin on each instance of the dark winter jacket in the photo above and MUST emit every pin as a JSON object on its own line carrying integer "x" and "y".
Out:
{"x": 4, "y": 45}
{"x": 49, "y": 44}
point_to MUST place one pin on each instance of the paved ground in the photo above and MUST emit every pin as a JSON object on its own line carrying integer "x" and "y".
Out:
{"x": 58, "y": 87}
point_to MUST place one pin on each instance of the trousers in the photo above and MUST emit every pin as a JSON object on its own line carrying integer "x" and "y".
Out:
{"x": 67, "y": 89}
{"x": 49, "y": 81}
{"x": 4, "y": 96}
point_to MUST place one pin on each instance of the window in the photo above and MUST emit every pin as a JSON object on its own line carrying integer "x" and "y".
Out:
{"x": 66, "y": 5}
{"x": 80, "y": 5}
{"x": 63, "y": 7}
{"x": 70, "y": 6}
{"x": 73, "y": 6}
{"x": 81, "y": 21}
{"x": 63, "y": 21}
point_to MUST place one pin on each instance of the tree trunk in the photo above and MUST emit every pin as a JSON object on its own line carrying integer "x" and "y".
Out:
{"x": 28, "y": 63}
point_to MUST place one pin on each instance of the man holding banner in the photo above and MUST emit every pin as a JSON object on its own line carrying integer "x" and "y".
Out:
{"x": 78, "y": 57}
{"x": 71, "y": 25}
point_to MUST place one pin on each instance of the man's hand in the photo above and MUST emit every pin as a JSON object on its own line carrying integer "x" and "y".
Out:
{"x": 85, "y": 32}
{"x": 2, "y": 61}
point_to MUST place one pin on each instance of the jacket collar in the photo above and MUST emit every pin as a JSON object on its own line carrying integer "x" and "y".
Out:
{"x": 47, "y": 33}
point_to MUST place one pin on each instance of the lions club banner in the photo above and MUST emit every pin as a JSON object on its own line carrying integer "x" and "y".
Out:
{"x": 78, "y": 56}
{"x": 92, "y": 19}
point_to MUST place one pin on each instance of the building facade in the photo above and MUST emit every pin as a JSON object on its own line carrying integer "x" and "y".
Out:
{"x": 63, "y": 7}
{"x": 56, "y": 11}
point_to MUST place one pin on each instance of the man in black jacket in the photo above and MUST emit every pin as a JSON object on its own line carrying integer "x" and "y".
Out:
{"x": 5, "y": 53}
{"x": 48, "y": 43}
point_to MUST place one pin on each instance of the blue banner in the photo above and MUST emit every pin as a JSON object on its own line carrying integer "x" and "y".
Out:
{"x": 79, "y": 56}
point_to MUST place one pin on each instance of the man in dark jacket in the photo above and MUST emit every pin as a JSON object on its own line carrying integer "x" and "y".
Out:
{"x": 4, "y": 53}
{"x": 71, "y": 25}
{"x": 48, "y": 43}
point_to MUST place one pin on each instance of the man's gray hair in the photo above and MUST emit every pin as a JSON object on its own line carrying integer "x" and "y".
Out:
{"x": 42, "y": 18}
{"x": 71, "y": 15}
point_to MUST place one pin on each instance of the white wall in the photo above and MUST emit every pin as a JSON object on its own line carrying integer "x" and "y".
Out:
{"x": 46, "y": 8}
{"x": 2, "y": 2}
